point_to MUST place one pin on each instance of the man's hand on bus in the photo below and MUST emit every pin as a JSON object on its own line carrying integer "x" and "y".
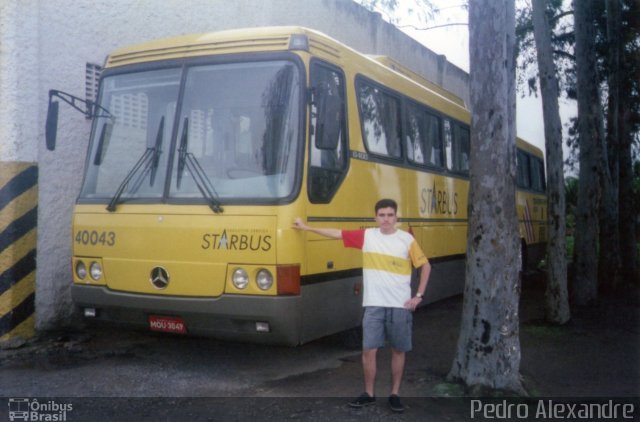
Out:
{"x": 299, "y": 224}
{"x": 326, "y": 232}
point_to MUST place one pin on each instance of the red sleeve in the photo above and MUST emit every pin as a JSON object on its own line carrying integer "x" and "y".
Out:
{"x": 353, "y": 238}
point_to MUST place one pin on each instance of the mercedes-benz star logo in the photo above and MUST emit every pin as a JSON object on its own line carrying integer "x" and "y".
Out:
{"x": 159, "y": 278}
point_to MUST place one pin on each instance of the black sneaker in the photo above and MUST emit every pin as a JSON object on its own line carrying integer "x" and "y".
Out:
{"x": 395, "y": 404}
{"x": 364, "y": 400}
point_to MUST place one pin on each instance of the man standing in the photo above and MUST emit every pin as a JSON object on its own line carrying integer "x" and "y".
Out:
{"x": 388, "y": 254}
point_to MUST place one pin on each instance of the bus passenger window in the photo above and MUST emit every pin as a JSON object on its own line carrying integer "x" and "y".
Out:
{"x": 415, "y": 135}
{"x": 448, "y": 142}
{"x": 434, "y": 141}
{"x": 543, "y": 175}
{"x": 537, "y": 174}
{"x": 380, "y": 116}
{"x": 523, "y": 179}
{"x": 464, "y": 149}
{"x": 458, "y": 147}
{"x": 328, "y": 156}
{"x": 424, "y": 144}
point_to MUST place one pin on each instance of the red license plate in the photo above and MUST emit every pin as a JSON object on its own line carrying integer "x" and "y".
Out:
{"x": 167, "y": 324}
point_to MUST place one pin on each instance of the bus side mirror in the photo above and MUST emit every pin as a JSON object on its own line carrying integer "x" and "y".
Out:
{"x": 329, "y": 122}
{"x": 51, "y": 129}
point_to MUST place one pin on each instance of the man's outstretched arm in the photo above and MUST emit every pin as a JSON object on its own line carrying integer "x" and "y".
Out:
{"x": 326, "y": 232}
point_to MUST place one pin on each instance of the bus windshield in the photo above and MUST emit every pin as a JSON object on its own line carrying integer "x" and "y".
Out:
{"x": 237, "y": 136}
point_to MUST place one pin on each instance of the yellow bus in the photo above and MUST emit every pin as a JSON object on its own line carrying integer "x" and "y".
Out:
{"x": 203, "y": 150}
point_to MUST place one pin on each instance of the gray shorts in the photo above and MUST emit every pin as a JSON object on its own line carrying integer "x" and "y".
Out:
{"x": 392, "y": 324}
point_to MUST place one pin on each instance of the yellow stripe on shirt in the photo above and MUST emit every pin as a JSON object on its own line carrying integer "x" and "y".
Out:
{"x": 388, "y": 263}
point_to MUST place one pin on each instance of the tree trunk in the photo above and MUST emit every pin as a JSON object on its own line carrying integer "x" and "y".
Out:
{"x": 590, "y": 140}
{"x": 609, "y": 259}
{"x": 556, "y": 295}
{"x": 628, "y": 245}
{"x": 488, "y": 350}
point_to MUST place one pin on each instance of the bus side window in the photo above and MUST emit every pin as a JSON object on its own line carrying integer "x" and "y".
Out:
{"x": 448, "y": 143}
{"x": 415, "y": 136}
{"x": 380, "y": 116}
{"x": 523, "y": 179}
{"x": 328, "y": 156}
{"x": 537, "y": 174}
{"x": 423, "y": 140}
{"x": 464, "y": 149}
{"x": 457, "y": 146}
{"x": 543, "y": 175}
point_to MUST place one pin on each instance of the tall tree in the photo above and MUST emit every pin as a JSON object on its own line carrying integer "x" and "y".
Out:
{"x": 616, "y": 53}
{"x": 590, "y": 138}
{"x": 560, "y": 23}
{"x": 629, "y": 117}
{"x": 556, "y": 295}
{"x": 488, "y": 349}
{"x": 623, "y": 118}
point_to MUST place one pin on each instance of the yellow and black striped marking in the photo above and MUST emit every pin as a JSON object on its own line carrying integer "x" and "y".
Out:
{"x": 18, "y": 221}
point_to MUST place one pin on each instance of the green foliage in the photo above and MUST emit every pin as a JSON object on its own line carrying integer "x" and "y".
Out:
{"x": 570, "y": 242}
{"x": 562, "y": 40}
{"x": 448, "y": 389}
{"x": 540, "y": 329}
{"x": 571, "y": 198}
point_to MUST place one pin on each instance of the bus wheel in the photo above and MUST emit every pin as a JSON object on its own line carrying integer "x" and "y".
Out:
{"x": 523, "y": 256}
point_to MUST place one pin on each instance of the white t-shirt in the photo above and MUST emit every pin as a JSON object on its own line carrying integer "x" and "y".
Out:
{"x": 386, "y": 265}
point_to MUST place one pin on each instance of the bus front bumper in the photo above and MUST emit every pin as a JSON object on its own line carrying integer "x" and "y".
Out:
{"x": 229, "y": 317}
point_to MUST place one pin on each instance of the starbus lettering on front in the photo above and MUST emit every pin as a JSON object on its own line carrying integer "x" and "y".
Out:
{"x": 236, "y": 242}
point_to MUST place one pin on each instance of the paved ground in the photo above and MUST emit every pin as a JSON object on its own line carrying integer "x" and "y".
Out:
{"x": 596, "y": 355}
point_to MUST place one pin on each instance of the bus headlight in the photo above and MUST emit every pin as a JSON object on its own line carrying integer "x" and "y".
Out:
{"x": 264, "y": 279}
{"x": 81, "y": 270}
{"x": 240, "y": 278}
{"x": 96, "y": 271}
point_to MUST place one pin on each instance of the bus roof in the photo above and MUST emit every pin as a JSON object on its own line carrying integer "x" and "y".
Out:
{"x": 273, "y": 38}
{"x": 393, "y": 64}
{"x": 526, "y": 146}
{"x": 256, "y": 39}
{"x": 277, "y": 38}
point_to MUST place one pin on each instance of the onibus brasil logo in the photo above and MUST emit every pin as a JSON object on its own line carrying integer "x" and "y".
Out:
{"x": 33, "y": 410}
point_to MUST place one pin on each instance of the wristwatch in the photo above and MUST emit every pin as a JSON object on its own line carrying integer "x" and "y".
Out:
{"x": 419, "y": 295}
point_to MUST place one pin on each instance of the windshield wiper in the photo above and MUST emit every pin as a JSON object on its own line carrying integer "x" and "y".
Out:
{"x": 155, "y": 158}
{"x": 188, "y": 160}
{"x": 182, "y": 151}
{"x": 148, "y": 163}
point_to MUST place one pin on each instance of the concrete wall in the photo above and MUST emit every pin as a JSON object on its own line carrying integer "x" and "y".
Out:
{"x": 46, "y": 44}
{"x": 19, "y": 135}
